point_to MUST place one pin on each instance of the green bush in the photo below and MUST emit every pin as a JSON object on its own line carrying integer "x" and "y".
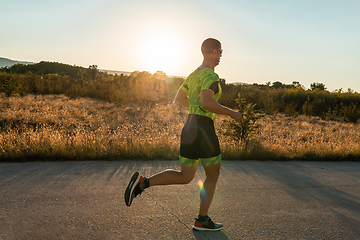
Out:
{"x": 351, "y": 113}
{"x": 242, "y": 130}
{"x": 9, "y": 87}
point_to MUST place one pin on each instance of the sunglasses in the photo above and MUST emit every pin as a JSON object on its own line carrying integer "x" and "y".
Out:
{"x": 221, "y": 51}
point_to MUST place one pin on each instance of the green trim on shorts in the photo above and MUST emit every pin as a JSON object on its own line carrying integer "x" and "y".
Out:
{"x": 211, "y": 161}
{"x": 188, "y": 161}
{"x": 203, "y": 161}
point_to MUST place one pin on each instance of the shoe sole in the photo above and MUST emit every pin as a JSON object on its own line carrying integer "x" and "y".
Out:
{"x": 206, "y": 229}
{"x": 130, "y": 189}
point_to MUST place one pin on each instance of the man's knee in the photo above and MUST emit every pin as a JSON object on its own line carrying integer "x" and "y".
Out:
{"x": 212, "y": 172}
{"x": 187, "y": 173}
{"x": 188, "y": 178}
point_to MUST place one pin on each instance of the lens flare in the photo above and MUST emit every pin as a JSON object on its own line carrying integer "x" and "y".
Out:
{"x": 203, "y": 193}
{"x": 161, "y": 48}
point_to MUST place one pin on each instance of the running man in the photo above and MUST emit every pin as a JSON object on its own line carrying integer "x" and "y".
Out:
{"x": 200, "y": 93}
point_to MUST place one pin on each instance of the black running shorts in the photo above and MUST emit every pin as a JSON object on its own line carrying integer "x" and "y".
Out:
{"x": 198, "y": 138}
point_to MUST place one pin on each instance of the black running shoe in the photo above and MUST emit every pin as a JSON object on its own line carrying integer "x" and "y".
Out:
{"x": 207, "y": 225}
{"x": 133, "y": 189}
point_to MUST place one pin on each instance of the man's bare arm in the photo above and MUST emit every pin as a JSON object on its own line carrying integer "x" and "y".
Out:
{"x": 208, "y": 102}
{"x": 182, "y": 98}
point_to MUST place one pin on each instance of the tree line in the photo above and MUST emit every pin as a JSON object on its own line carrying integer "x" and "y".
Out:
{"x": 144, "y": 88}
{"x": 293, "y": 99}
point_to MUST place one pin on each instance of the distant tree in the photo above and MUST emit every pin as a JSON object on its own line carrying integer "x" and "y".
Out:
{"x": 5, "y": 69}
{"x": 277, "y": 85}
{"x": 351, "y": 112}
{"x": 9, "y": 87}
{"x": 315, "y": 86}
{"x": 297, "y": 85}
{"x": 349, "y": 90}
{"x": 93, "y": 70}
{"x": 159, "y": 75}
{"x": 222, "y": 81}
{"x": 159, "y": 81}
{"x": 223, "y": 85}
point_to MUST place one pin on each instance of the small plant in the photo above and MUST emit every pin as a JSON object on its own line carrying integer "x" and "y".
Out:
{"x": 351, "y": 113}
{"x": 242, "y": 130}
{"x": 290, "y": 110}
{"x": 9, "y": 87}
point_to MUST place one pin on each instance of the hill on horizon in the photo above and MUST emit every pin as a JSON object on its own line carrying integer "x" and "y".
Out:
{"x": 6, "y": 62}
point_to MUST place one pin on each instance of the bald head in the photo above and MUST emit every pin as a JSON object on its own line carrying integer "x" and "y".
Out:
{"x": 209, "y": 45}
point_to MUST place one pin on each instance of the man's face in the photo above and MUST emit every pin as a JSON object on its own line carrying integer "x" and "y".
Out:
{"x": 217, "y": 55}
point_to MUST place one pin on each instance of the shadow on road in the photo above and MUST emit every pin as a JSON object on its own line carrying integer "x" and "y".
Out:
{"x": 301, "y": 184}
{"x": 219, "y": 235}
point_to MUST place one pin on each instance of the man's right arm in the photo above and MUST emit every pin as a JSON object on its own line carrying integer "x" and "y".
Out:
{"x": 208, "y": 102}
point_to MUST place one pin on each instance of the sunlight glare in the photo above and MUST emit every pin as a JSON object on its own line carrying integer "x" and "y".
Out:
{"x": 161, "y": 50}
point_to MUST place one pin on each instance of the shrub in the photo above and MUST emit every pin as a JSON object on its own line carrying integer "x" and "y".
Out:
{"x": 351, "y": 113}
{"x": 9, "y": 87}
{"x": 242, "y": 130}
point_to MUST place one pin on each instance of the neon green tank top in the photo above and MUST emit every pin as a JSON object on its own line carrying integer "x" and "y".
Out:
{"x": 201, "y": 80}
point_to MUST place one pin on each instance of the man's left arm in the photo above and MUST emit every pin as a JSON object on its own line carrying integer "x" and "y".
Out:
{"x": 182, "y": 98}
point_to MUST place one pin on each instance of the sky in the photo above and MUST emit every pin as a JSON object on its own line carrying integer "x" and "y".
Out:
{"x": 263, "y": 40}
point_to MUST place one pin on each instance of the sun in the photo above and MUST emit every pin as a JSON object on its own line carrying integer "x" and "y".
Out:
{"x": 161, "y": 50}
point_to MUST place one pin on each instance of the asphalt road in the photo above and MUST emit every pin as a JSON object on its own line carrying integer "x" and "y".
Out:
{"x": 254, "y": 200}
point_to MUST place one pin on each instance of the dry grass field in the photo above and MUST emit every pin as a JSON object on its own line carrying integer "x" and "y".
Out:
{"x": 54, "y": 127}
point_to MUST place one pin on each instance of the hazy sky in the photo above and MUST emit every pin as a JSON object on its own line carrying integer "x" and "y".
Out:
{"x": 263, "y": 40}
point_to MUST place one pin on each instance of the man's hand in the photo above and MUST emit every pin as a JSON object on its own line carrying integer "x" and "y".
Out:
{"x": 236, "y": 116}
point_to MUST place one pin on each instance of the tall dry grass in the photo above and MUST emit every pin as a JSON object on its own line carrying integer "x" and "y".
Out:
{"x": 304, "y": 137}
{"x": 55, "y": 127}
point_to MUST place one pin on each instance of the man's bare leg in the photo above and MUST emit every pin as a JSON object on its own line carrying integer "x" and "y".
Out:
{"x": 168, "y": 177}
{"x": 212, "y": 175}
